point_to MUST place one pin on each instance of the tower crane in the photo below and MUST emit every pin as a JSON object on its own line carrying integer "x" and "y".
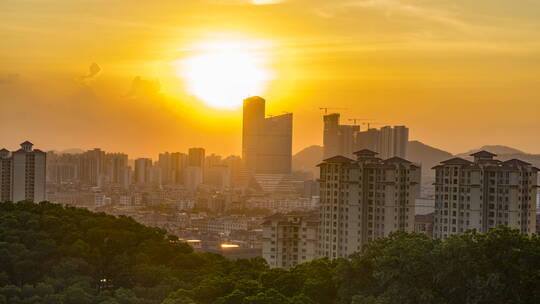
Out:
{"x": 354, "y": 120}
{"x": 372, "y": 123}
{"x": 327, "y": 108}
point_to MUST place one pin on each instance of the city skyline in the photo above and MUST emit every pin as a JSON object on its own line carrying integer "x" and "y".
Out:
{"x": 269, "y": 151}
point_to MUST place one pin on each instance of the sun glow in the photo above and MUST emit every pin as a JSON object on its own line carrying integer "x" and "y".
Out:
{"x": 222, "y": 74}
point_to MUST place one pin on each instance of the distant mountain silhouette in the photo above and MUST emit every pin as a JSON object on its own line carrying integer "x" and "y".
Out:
{"x": 506, "y": 153}
{"x": 427, "y": 156}
{"x": 497, "y": 149}
{"x": 307, "y": 159}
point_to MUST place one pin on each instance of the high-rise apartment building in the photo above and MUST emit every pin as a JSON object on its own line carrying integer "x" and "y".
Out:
{"x": 172, "y": 166}
{"x": 62, "y": 168}
{"x": 116, "y": 165}
{"x": 196, "y": 157}
{"x": 338, "y": 139}
{"x": 143, "y": 171}
{"x": 92, "y": 167}
{"x": 194, "y": 172}
{"x": 364, "y": 199}
{"x": 23, "y": 174}
{"x": 483, "y": 194}
{"x": 5, "y": 175}
{"x": 266, "y": 142}
{"x": 343, "y": 140}
{"x": 290, "y": 239}
{"x": 165, "y": 167}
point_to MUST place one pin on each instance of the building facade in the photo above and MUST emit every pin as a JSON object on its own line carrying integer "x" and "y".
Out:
{"x": 266, "y": 142}
{"x": 143, "y": 171}
{"x": 338, "y": 139}
{"x": 483, "y": 194}
{"x": 343, "y": 140}
{"x": 23, "y": 174}
{"x": 290, "y": 239}
{"x": 364, "y": 199}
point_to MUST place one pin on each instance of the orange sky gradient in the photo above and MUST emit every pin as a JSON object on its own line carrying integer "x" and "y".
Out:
{"x": 460, "y": 74}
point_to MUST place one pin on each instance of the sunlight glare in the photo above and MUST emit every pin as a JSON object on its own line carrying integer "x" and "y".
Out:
{"x": 222, "y": 74}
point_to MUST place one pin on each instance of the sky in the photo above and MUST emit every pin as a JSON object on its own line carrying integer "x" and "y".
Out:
{"x": 111, "y": 74}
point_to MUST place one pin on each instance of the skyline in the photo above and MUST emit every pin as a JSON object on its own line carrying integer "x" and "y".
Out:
{"x": 82, "y": 76}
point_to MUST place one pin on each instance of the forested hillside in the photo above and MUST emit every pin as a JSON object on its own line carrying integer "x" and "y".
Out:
{"x": 55, "y": 254}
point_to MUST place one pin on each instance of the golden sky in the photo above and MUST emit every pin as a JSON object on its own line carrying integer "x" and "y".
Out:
{"x": 459, "y": 73}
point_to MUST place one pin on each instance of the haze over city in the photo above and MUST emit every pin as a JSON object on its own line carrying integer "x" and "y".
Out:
{"x": 144, "y": 78}
{"x": 269, "y": 152}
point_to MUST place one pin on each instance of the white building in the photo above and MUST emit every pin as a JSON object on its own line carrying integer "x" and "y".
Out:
{"x": 364, "y": 199}
{"x": 483, "y": 194}
{"x": 23, "y": 174}
{"x": 290, "y": 239}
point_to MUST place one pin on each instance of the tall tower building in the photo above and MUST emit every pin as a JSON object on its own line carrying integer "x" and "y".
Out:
{"x": 364, "y": 199}
{"x": 331, "y": 145}
{"x": 266, "y": 142}
{"x": 483, "y": 194}
{"x": 194, "y": 173}
{"x": 143, "y": 171}
{"x": 115, "y": 167}
{"x": 401, "y": 141}
{"x": 27, "y": 174}
{"x": 5, "y": 175}
{"x": 92, "y": 167}
{"x": 165, "y": 168}
{"x": 343, "y": 140}
{"x": 369, "y": 139}
{"x": 338, "y": 139}
{"x": 196, "y": 157}
{"x": 179, "y": 162}
{"x": 393, "y": 141}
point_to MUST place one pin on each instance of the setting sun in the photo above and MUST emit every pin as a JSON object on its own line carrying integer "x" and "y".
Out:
{"x": 222, "y": 74}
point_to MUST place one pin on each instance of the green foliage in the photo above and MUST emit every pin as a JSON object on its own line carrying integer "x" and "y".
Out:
{"x": 50, "y": 254}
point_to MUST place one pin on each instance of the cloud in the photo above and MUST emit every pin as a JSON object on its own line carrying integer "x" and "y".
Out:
{"x": 444, "y": 16}
{"x": 93, "y": 72}
{"x": 265, "y": 2}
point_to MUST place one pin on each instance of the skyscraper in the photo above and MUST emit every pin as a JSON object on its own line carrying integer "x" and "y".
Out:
{"x": 483, "y": 194}
{"x": 196, "y": 157}
{"x": 343, "y": 140}
{"x": 193, "y": 174}
{"x": 338, "y": 139}
{"x": 143, "y": 171}
{"x": 179, "y": 162}
{"x": 23, "y": 174}
{"x": 266, "y": 142}
{"x": 115, "y": 168}
{"x": 364, "y": 199}
{"x": 5, "y": 175}
{"x": 165, "y": 167}
{"x": 92, "y": 167}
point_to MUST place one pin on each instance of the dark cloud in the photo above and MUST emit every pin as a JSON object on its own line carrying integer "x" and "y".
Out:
{"x": 93, "y": 72}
